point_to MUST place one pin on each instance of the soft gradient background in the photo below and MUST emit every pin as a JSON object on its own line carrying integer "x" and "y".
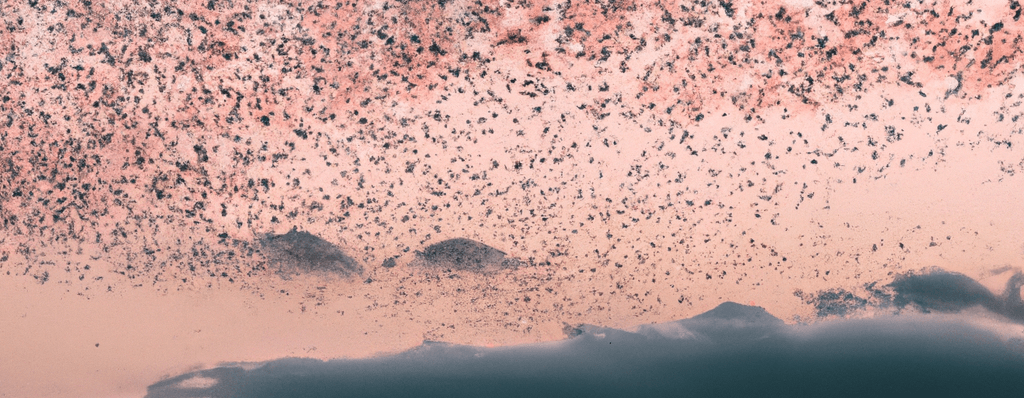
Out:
{"x": 643, "y": 161}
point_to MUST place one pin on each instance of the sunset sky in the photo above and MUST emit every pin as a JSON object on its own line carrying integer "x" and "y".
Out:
{"x": 192, "y": 183}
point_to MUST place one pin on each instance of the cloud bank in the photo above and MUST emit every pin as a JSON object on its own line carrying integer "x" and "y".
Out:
{"x": 732, "y": 350}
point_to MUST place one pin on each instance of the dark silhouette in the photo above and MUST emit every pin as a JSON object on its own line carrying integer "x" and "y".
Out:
{"x": 300, "y": 252}
{"x": 464, "y": 255}
{"x": 938, "y": 290}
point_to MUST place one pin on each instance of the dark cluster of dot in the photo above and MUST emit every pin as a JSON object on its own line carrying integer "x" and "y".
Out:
{"x": 620, "y": 144}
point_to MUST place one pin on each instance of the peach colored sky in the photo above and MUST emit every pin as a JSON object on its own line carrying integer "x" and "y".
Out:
{"x": 649, "y": 160}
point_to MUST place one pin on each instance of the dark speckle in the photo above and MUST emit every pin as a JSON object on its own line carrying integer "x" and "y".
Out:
{"x": 464, "y": 254}
{"x": 302, "y": 252}
{"x": 838, "y": 302}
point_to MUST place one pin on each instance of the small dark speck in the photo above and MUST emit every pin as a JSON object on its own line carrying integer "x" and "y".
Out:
{"x": 434, "y": 48}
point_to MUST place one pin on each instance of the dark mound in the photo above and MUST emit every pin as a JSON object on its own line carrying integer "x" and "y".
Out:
{"x": 303, "y": 252}
{"x": 730, "y": 311}
{"x": 939, "y": 290}
{"x": 465, "y": 254}
{"x": 734, "y": 323}
{"x": 942, "y": 291}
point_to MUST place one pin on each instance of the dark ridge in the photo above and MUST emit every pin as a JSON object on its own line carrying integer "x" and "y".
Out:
{"x": 939, "y": 290}
{"x": 464, "y": 255}
{"x": 730, "y": 311}
{"x": 734, "y": 323}
{"x": 929, "y": 290}
{"x": 730, "y": 322}
{"x": 302, "y": 252}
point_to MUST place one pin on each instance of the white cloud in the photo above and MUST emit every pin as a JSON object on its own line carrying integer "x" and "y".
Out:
{"x": 197, "y": 382}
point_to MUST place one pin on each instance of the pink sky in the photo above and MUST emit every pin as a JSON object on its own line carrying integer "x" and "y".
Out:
{"x": 649, "y": 160}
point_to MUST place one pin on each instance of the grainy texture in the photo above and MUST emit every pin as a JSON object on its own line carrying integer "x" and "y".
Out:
{"x": 642, "y": 161}
{"x": 464, "y": 254}
{"x": 301, "y": 252}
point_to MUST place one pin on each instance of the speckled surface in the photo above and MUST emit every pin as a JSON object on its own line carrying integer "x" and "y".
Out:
{"x": 640, "y": 161}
